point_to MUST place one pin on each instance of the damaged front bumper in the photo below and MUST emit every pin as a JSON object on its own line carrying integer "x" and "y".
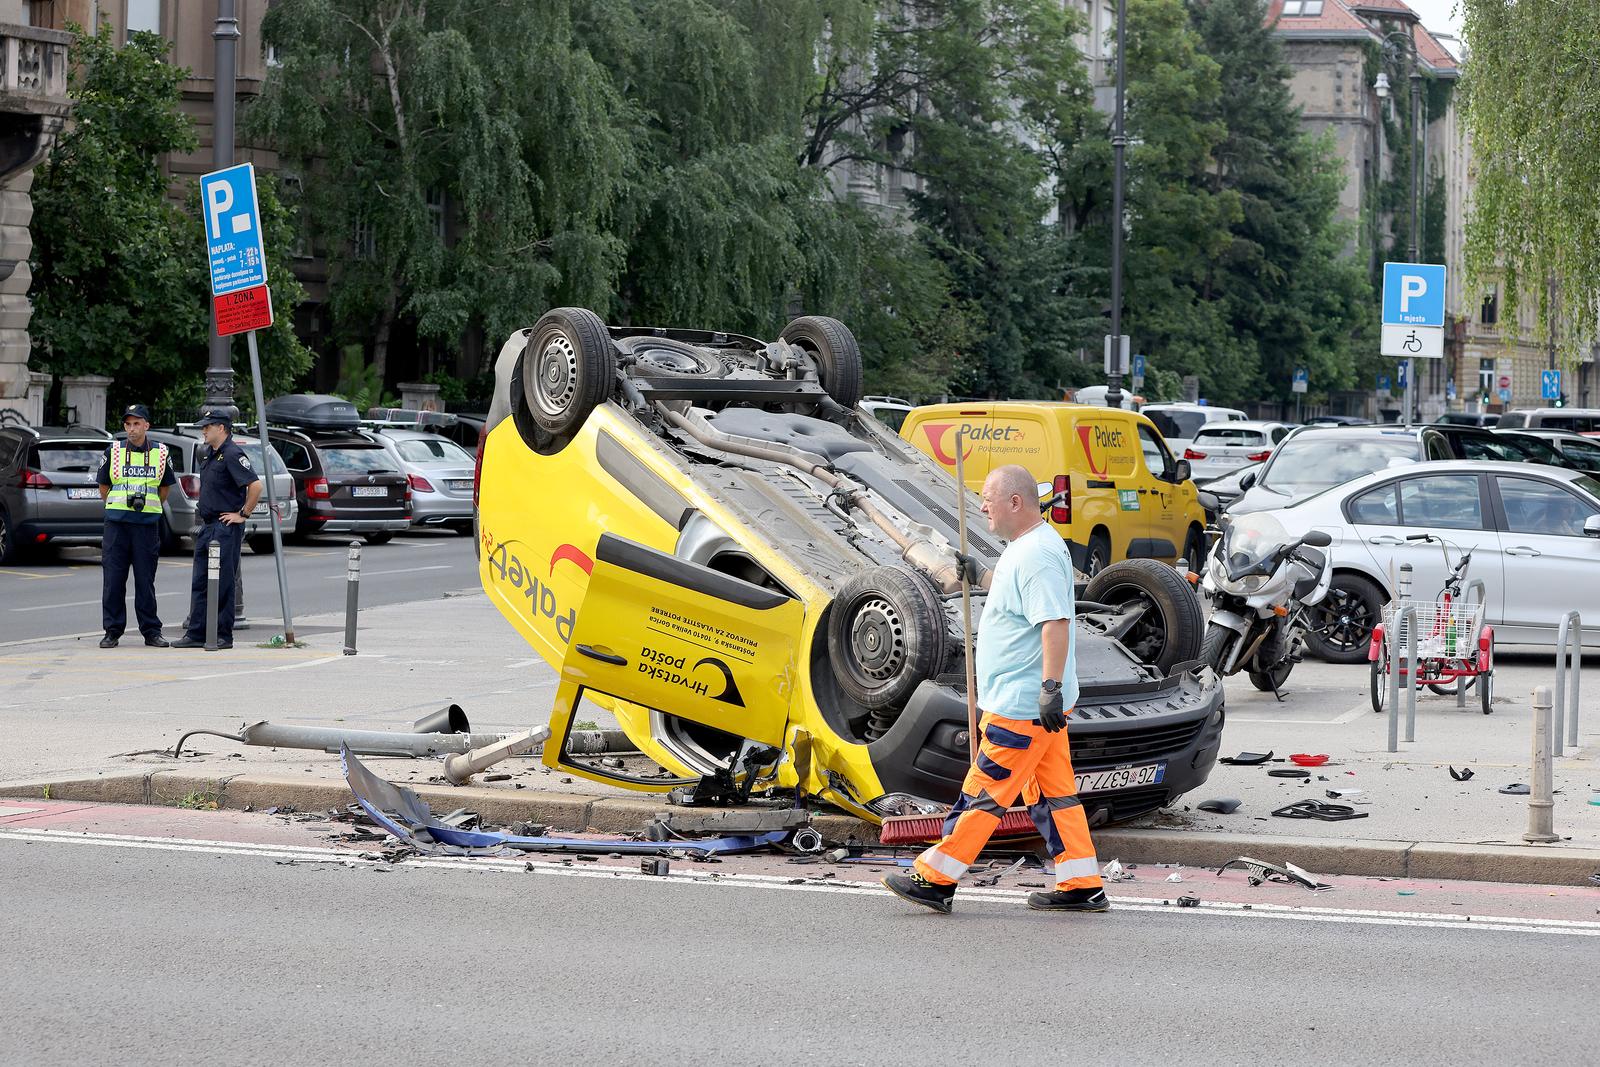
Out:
{"x": 1175, "y": 721}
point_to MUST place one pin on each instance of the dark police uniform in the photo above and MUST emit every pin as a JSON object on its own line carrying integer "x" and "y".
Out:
{"x": 224, "y": 475}
{"x": 132, "y": 536}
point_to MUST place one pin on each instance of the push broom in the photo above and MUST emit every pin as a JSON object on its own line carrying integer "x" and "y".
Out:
{"x": 913, "y": 829}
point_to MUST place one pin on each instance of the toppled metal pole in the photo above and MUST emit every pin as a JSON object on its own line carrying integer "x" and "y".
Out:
{"x": 461, "y": 767}
{"x": 363, "y": 742}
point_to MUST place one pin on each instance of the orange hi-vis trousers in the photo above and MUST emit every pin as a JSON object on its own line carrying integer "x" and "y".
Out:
{"x": 1017, "y": 757}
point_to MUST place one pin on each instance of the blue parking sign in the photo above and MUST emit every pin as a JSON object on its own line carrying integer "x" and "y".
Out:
{"x": 1550, "y": 385}
{"x": 232, "y": 221}
{"x": 1413, "y": 294}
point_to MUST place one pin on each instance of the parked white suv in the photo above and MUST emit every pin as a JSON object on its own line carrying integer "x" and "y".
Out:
{"x": 1179, "y": 423}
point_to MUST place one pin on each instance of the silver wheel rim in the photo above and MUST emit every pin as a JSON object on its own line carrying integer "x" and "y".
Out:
{"x": 878, "y": 639}
{"x": 555, "y": 380}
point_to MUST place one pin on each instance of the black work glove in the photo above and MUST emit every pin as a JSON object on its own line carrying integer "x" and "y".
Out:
{"x": 970, "y": 569}
{"x": 1052, "y": 715}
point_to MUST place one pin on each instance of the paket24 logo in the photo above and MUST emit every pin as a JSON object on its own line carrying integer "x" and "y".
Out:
{"x": 937, "y": 432}
{"x": 507, "y": 567}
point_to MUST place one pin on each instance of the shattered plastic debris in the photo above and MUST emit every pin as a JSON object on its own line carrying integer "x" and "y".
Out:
{"x": 1175, "y": 877}
{"x": 1515, "y": 789}
{"x": 1321, "y": 810}
{"x": 1246, "y": 759}
{"x": 1115, "y": 872}
{"x": 1345, "y": 794}
{"x": 1220, "y": 805}
{"x": 1257, "y": 872}
{"x": 1188, "y": 902}
{"x": 1464, "y": 774}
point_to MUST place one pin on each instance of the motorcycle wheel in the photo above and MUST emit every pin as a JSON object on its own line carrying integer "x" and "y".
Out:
{"x": 1269, "y": 681}
{"x": 1215, "y": 646}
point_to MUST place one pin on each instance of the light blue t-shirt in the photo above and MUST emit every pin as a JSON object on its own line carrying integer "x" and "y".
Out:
{"x": 1032, "y": 585}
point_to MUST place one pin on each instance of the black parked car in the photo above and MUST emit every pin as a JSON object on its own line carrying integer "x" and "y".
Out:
{"x": 345, "y": 481}
{"x": 49, "y": 488}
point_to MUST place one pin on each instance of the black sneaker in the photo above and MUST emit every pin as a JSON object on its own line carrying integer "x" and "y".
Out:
{"x": 919, "y": 890}
{"x": 108, "y": 641}
{"x": 1070, "y": 900}
{"x": 156, "y": 641}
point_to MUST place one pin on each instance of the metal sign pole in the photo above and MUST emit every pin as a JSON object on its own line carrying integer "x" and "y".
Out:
{"x": 272, "y": 495}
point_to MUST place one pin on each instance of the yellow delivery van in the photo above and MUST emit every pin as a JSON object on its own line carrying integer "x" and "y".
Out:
{"x": 1107, "y": 481}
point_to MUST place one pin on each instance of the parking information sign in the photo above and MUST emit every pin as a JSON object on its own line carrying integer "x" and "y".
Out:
{"x": 1413, "y": 310}
{"x": 1550, "y": 385}
{"x": 1300, "y": 379}
{"x": 236, "y": 249}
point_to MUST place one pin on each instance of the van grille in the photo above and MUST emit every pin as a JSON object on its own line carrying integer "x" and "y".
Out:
{"x": 1098, "y": 751}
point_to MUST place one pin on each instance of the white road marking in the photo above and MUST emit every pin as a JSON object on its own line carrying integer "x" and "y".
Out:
{"x": 89, "y": 603}
{"x": 1343, "y": 720}
{"x": 398, "y": 570}
{"x": 521, "y": 663}
{"x": 1230, "y": 909}
{"x": 54, "y": 637}
{"x": 29, "y": 576}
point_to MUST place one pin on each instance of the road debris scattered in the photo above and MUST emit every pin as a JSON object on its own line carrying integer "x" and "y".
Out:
{"x": 1115, "y": 872}
{"x": 1321, "y": 810}
{"x": 1220, "y": 805}
{"x": 1463, "y": 775}
{"x": 1258, "y": 871}
{"x": 1515, "y": 789}
{"x": 1246, "y": 759}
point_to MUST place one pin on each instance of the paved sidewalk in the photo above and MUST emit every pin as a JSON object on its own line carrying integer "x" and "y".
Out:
{"x": 74, "y": 713}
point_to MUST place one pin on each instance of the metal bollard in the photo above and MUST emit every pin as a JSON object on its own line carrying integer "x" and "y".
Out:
{"x": 1541, "y": 803}
{"x": 1569, "y": 662}
{"x": 1401, "y": 643}
{"x": 213, "y": 592}
{"x": 352, "y": 585}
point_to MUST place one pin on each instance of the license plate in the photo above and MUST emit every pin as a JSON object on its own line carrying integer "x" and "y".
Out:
{"x": 1229, "y": 461}
{"x": 369, "y": 490}
{"x": 1122, "y": 778}
{"x": 80, "y": 493}
{"x": 460, "y": 483}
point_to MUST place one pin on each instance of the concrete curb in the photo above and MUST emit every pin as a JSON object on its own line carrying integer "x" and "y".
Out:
{"x": 1528, "y": 864}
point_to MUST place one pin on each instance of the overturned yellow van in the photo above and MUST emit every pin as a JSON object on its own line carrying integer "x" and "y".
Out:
{"x": 1107, "y": 481}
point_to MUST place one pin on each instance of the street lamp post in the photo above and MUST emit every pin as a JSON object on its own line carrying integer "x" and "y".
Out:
{"x": 1119, "y": 146}
{"x": 1391, "y": 44}
{"x": 219, "y": 370}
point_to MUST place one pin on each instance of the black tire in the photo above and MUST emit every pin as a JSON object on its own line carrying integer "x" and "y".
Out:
{"x": 382, "y": 538}
{"x": 1449, "y": 689}
{"x": 674, "y": 359}
{"x": 1271, "y": 681}
{"x": 886, "y": 635}
{"x": 1194, "y": 549}
{"x": 1173, "y": 626}
{"x": 1215, "y": 645}
{"x": 1097, "y": 557}
{"x": 8, "y": 541}
{"x": 1378, "y": 683}
{"x": 568, "y": 368}
{"x": 1341, "y": 625}
{"x": 1486, "y": 683}
{"x": 838, "y": 357}
{"x": 260, "y": 544}
{"x": 463, "y": 530}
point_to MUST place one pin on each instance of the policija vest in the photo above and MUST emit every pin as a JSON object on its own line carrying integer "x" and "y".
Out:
{"x": 133, "y": 469}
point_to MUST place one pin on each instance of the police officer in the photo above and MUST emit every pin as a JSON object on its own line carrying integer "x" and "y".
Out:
{"x": 229, "y": 489}
{"x": 135, "y": 478}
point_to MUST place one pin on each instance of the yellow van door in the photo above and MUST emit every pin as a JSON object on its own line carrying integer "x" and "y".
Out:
{"x": 1105, "y": 455}
{"x": 682, "y": 639}
{"x": 936, "y": 432}
{"x": 1165, "y": 525}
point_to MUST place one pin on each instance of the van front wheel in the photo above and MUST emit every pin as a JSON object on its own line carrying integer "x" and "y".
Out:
{"x": 1097, "y": 557}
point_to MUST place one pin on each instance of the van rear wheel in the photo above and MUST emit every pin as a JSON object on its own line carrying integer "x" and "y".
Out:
{"x": 838, "y": 357}
{"x": 886, "y": 635}
{"x": 567, "y": 369}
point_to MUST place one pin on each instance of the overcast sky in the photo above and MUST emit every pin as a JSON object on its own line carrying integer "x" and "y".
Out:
{"x": 1438, "y": 15}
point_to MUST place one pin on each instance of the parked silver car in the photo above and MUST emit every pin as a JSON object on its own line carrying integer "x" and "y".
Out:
{"x": 180, "y": 515}
{"x": 439, "y": 472}
{"x": 1220, "y": 448}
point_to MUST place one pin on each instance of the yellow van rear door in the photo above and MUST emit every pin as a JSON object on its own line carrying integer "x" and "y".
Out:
{"x": 686, "y": 640}
{"x": 938, "y": 432}
{"x": 1106, "y": 454}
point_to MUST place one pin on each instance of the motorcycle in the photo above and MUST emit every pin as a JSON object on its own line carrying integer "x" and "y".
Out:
{"x": 1259, "y": 581}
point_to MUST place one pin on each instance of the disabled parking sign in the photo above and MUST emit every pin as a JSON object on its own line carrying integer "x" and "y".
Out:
{"x": 1413, "y": 310}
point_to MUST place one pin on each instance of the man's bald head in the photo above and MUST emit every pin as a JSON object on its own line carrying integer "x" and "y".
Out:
{"x": 1011, "y": 500}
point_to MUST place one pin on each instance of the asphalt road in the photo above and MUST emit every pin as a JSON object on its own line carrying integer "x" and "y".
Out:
{"x": 162, "y": 952}
{"x": 59, "y": 594}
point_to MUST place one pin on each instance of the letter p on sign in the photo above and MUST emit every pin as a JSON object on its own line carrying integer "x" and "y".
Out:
{"x": 219, "y": 199}
{"x": 1411, "y": 288}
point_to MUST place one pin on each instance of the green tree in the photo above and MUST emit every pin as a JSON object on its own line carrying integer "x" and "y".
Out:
{"x": 1530, "y": 98}
{"x": 120, "y": 282}
{"x": 1288, "y": 286}
{"x": 461, "y": 159}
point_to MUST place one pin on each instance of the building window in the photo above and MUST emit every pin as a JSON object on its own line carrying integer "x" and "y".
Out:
{"x": 436, "y": 204}
{"x": 365, "y": 240}
{"x": 143, "y": 16}
{"x": 1307, "y": 8}
{"x": 270, "y": 53}
{"x": 1485, "y": 378}
{"x": 1489, "y": 313}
